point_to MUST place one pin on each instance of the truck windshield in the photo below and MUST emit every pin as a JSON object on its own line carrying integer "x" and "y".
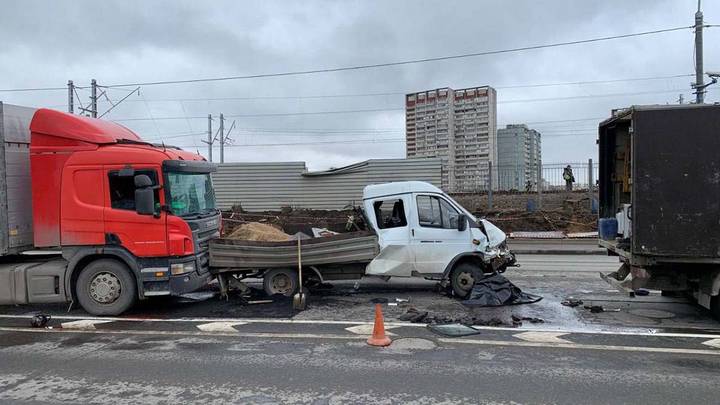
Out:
{"x": 190, "y": 193}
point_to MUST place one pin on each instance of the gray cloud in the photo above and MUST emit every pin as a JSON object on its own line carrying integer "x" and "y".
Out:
{"x": 47, "y": 43}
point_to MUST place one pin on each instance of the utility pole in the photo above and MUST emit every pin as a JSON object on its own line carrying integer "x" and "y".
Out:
{"x": 93, "y": 98}
{"x": 210, "y": 137}
{"x": 71, "y": 99}
{"x": 222, "y": 139}
{"x": 699, "y": 84}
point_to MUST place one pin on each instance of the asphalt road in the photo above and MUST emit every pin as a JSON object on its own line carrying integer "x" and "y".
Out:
{"x": 653, "y": 350}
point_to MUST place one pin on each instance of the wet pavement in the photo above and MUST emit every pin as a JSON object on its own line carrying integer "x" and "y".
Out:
{"x": 646, "y": 350}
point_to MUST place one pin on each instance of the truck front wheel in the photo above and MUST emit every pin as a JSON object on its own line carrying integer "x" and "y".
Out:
{"x": 106, "y": 287}
{"x": 462, "y": 279}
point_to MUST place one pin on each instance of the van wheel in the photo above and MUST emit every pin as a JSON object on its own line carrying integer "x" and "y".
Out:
{"x": 106, "y": 287}
{"x": 462, "y": 279}
{"x": 715, "y": 306}
{"x": 280, "y": 281}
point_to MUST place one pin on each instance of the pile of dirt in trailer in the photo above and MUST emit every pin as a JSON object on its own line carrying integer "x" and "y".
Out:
{"x": 292, "y": 221}
{"x": 558, "y": 220}
{"x": 259, "y": 232}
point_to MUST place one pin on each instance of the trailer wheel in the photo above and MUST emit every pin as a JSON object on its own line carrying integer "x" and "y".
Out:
{"x": 462, "y": 279}
{"x": 280, "y": 281}
{"x": 106, "y": 287}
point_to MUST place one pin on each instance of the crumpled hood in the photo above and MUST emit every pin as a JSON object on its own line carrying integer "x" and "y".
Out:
{"x": 495, "y": 235}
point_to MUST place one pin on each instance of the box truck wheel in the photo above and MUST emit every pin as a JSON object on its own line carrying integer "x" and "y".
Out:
{"x": 106, "y": 287}
{"x": 462, "y": 280}
{"x": 280, "y": 281}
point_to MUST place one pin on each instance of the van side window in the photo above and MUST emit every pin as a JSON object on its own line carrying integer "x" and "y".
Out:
{"x": 435, "y": 212}
{"x": 390, "y": 213}
{"x": 122, "y": 189}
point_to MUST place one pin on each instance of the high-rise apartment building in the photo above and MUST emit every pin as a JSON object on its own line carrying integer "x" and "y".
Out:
{"x": 519, "y": 157}
{"x": 459, "y": 127}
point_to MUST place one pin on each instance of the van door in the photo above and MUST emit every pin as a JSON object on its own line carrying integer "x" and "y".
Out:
{"x": 390, "y": 217}
{"x": 434, "y": 237}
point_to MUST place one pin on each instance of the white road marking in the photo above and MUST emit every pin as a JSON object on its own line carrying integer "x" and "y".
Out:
{"x": 642, "y": 332}
{"x": 367, "y": 330}
{"x": 713, "y": 343}
{"x": 220, "y": 326}
{"x": 712, "y": 352}
{"x": 187, "y": 333}
{"x": 669, "y": 350}
{"x": 542, "y": 337}
{"x": 84, "y": 324}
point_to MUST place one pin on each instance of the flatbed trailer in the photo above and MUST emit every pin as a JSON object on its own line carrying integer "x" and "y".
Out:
{"x": 337, "y": 257}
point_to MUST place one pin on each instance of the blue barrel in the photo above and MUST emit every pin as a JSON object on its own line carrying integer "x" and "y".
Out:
{"x": 607, "y": 228}
{"x": 531, "y": 207}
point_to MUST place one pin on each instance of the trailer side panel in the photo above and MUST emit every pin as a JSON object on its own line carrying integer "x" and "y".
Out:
{"x": 676, "y": 182}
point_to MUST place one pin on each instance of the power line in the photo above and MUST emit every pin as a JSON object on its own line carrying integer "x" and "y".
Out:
{"x": 405, "y": 62}
{"x": 402, "y": 93}
{"x": 589, "y": 96}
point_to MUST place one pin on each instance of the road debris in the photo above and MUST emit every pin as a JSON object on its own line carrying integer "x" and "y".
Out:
{"x": 40, "y": 320}
{"x": 571, "y": 302}
{"x": 520, "y": 319}
{"x": 453, "y": 330}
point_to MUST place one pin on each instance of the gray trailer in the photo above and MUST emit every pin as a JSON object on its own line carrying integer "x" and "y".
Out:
{"x": 660, "y": 178}
{"x": 15, "y": 193}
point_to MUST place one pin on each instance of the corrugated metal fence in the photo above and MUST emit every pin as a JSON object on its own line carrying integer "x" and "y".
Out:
{"x": 270, "y": 186}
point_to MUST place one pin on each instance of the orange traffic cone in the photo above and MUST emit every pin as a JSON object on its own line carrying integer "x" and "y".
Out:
{"x": 378, "y": 337}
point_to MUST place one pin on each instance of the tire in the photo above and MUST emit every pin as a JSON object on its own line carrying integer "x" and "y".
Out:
{"x": 106, "y": 287}
{"x": 715, "y": 306}
{"x": 461, "y": 279}
{"x": 280, "y": 281}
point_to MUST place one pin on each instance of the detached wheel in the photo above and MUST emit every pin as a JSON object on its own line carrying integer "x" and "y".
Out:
{"x": 462, "y": 280}
{"x": 280, "y": 281}
{"x": 106, "y": 287}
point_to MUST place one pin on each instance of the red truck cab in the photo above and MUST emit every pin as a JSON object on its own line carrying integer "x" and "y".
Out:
{"x": 132, "y": 219}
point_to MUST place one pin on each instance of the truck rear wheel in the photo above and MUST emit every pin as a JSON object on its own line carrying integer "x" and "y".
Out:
{"x": 280, "y": 281}
{"x": 106, "y": 287}
{"x": 462, "y": 279}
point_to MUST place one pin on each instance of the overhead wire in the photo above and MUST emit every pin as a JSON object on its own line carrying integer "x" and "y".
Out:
{"x": 403, "y": 62}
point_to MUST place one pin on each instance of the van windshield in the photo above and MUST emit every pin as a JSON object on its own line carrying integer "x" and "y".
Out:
{"x": 190, "y": 193}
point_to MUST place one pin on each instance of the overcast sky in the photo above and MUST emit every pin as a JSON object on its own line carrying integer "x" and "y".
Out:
{"x": 47, "y": 43}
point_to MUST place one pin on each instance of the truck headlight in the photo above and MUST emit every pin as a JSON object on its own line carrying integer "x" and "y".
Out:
{"x": 182, "y": 268}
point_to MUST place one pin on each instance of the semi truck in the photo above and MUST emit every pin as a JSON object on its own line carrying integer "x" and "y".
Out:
{"x": 92, "y": 214}
{"x": 660, "y": 182}
{"x": 413, "y": 229}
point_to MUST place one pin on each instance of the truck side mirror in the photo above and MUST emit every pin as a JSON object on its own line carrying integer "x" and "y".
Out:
{"x": 462, "y": 222}
{"x": 144, "y": 195}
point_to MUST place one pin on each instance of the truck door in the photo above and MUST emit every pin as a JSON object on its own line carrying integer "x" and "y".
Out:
{"x": 143, "y": 235}
{"x": 434, "y": 237}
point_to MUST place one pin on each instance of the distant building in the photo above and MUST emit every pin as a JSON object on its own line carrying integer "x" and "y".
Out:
{"x": 459, "y": 127}
{"x": 518, "y": 158}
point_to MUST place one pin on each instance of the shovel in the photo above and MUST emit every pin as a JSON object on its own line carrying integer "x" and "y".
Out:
{"x": 299, "y": 297}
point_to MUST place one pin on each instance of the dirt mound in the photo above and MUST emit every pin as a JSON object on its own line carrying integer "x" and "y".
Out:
{"x": 259, "y": 232}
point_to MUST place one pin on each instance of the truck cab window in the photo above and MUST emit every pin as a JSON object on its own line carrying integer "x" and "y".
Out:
{"x": 435, "y": 212}
{"x": 122, "y": 189}
{"x": 390, "y": 213}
